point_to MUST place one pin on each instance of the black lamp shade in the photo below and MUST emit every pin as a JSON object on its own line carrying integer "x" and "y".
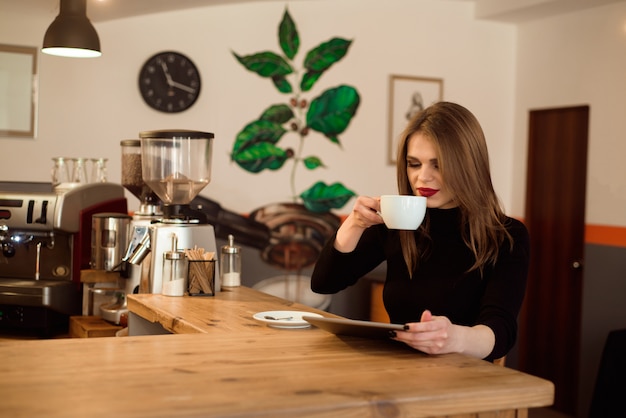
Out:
{"x": 71, "y": 34}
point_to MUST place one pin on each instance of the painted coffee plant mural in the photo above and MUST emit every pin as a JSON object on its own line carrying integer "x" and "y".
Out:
{"x": 257, "y": 146}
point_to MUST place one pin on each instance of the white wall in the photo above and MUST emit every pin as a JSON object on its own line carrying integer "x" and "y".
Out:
{"x": 88, "y": 106}
{"x": 574, "y": 59}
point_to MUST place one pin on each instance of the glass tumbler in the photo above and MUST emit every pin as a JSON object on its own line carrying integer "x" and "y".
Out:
{"x": 80, "y": 171}
{"x": 60, "y": 171}
{"x": 99, "y": 170}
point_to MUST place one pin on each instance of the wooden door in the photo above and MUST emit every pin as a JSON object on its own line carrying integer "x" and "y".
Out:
{"x": 550, "y": 320}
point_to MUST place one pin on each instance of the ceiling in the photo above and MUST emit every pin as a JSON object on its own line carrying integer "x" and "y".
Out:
{"x": 513, "y": 11}
{"x": 517, "y": 11}
{"x": 103, "y": 10}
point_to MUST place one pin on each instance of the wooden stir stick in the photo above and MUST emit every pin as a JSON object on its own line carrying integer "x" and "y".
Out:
{"x": 200, "y": 273}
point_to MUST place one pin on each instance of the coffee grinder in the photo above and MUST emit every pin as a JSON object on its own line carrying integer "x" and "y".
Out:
{"x": 176, "y": 165}
{"x": 150, "y": 210}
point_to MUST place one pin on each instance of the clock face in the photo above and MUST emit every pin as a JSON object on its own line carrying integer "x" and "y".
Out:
{"x": 169, "y": 82}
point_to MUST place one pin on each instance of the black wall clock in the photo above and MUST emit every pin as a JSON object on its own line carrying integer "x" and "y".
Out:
{"x": 169, "y": 82}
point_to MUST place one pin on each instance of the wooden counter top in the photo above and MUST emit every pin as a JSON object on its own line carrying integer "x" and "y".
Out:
{"x": 229, "y": 365}
{"x": 286, "y": 373}
{"x": 229, "y": 310}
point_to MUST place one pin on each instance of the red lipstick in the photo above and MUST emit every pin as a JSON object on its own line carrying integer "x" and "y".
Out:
{"x": 426, "y": 191}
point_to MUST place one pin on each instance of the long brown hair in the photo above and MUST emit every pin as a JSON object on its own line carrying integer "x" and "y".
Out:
{"x": 464, "y": 165}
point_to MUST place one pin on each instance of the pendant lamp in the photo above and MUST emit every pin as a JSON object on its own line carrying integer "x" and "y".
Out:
{"x": 71, "y": 34}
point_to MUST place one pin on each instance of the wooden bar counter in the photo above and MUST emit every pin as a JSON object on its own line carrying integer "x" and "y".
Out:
{"x": 234, "y": 366}
{"x": 230, "y": 310}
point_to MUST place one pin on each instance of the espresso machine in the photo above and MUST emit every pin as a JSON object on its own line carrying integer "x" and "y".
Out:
{"x": 176, "y": 165}
{"x": 45, "y": 238}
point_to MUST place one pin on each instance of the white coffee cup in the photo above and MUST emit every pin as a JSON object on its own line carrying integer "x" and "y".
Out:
{"x": 402, "y": 212}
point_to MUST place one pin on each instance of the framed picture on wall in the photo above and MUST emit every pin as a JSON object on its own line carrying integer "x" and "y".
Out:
{"x": 18, "y": 91}
{"x": 407, "y": 96}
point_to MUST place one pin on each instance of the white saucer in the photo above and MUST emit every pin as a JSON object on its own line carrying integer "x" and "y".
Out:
{"x": 295, "y": 320}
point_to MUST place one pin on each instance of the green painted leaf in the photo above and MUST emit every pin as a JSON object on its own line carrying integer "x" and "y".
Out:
{"x": 265, "y": 64}
{"x": 260, "y": 156}
{"x": 255, "y": 148}
{"x": 309, "y": 79}
{"x": 256, "y": 132}
{"x": 288, "y": 36}
{"x": 333, "y": 139}
{"x": 282, "y": 84}
{"x": 312, "y": 162}
{"x": 326, "y": 54}
{"x": 331, "y": 112}
{"x": 280, "y": 113}
{"x": 322, "y": 197}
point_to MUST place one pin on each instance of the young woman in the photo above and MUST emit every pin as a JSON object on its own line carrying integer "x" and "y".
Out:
{"x": 458, "y": 282}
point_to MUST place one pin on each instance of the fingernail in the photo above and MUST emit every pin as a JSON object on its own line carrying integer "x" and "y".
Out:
{"x": 392, "y": 334}
{"x": 406, "y": 327}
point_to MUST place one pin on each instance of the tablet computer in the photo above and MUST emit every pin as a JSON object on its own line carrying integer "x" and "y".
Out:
{"x": 353, "y": 327}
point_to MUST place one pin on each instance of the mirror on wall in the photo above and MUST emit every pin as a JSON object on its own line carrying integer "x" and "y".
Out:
{"x": 18, "y": 91}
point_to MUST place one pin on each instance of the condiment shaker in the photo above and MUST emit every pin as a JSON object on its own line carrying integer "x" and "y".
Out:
{"x": 230, "y": 264}
{"x": 174, "y": 271}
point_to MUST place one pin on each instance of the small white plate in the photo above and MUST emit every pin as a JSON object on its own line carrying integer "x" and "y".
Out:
{"x": 295, "y": 318}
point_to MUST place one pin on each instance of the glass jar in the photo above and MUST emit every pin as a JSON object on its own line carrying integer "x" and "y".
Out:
{"x": 230, "y": 264}
{"x": 174, "y": 280}
{"x": 174, "y": 273}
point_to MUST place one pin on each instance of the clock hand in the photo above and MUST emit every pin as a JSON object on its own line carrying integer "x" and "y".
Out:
{"x": 168, "y": 77}
{"x": 182, "y": 87}
{"x": 172, "y": 83}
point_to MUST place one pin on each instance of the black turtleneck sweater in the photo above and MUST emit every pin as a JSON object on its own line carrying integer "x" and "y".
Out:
{"x": 440, "y": 282}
